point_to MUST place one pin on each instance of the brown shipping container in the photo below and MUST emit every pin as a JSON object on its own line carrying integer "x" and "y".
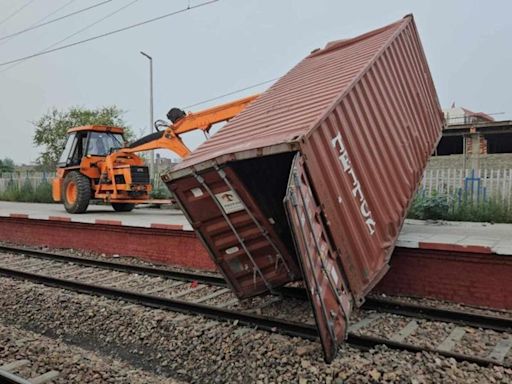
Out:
{"x": 317, "y": 174}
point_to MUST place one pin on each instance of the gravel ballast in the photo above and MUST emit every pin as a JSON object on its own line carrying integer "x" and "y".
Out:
{"x": 73, "y": 364}
{"x": 194, "y": 349}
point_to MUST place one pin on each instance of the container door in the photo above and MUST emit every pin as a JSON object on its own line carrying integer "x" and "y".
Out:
{"x": 330, "y": 299}
{"x": 240, "y": 239}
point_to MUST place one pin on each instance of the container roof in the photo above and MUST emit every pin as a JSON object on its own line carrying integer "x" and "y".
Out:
{"x": 296, "y": 103}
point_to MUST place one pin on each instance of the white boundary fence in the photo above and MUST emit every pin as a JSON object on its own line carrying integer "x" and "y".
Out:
{"x": 456, "y": 183}
{"x": 20, "y": 179}
{"x": 481, "y": 185}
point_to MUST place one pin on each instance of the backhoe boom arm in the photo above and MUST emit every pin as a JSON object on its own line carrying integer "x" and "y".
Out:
{"x": 202, "y": 120}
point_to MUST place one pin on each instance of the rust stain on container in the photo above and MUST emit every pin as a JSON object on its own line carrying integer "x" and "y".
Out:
{"x": 323, "y": 167}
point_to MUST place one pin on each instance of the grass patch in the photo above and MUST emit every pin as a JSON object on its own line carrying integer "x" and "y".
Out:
{"x": 438, "y": 207}
{"x": 27, "y": 193}
{"x": 43, "y": 192}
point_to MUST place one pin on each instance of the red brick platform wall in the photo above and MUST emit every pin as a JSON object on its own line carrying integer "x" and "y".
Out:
{"x": 467, "y": 277}
{"x": 166, "y": 246}
{"x": 462, "y": 277}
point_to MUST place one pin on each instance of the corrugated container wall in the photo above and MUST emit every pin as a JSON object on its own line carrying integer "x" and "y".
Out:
{"x": 317, "y": 174}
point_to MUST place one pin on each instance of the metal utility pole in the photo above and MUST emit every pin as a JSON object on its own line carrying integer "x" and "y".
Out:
{"x": 151, "y": 118}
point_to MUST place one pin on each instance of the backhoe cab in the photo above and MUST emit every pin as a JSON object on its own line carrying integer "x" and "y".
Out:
{"x": 88, "y": 169}
{"x": 96, "y": 163}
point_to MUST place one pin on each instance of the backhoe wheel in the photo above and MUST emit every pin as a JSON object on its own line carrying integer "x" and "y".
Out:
{"x": 123, "y": 207}
{"x": 76, "y": 192}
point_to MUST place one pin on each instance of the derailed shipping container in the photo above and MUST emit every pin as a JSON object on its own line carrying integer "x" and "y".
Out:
{"x": 313, "y": 180}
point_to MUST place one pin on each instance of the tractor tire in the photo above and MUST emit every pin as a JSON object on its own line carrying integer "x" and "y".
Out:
{"x": 123, "y": 207}
{"x": 76, "y": 192}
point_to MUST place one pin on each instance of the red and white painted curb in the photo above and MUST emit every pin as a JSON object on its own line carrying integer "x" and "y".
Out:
{"x": 66, "y": 219}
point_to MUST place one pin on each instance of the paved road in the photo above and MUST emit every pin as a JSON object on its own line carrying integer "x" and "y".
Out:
{"x": 139, "y": 217}
{"x": 496, "y": 236}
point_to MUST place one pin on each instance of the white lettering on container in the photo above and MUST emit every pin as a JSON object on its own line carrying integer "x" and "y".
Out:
{"x": 357, "y": 192}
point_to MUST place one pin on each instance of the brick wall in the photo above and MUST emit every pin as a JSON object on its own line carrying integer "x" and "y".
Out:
{"x": 463, "y": 277}
{"x": 446, "y": 162}
{"x": 476, "y": 157}
{"x": 483, "y": 145}
{"x": 468, "y": 278}
{"x": 496, "y": 161}
{"x": 164, "y": 246}
{"x": 486, "y": 161}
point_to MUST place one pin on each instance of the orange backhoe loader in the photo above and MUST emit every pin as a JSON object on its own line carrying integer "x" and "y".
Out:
{"x": 96, "y": 164}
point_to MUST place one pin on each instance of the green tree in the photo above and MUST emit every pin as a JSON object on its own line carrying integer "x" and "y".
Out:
{"x": 51, "y": 128}
{"x": 6, "y": 165}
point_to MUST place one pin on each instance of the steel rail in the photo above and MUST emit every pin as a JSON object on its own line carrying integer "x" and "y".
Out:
{"x": 471, "y": 319}
{"x": 285, "y": 327}
{"x": 496, "y": 323}
{"x": 369, "y": 342}
{"x": 121, "y": 267}
{"x": 203, "y": 278}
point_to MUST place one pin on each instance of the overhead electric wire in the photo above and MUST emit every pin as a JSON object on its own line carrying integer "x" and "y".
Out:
{"x": 3, "y": 21}
{"x": 92, "y": 24}
{"x": 231, "y": 93}
{"x": 40, "y": 24}
{"x": 77, "y": 32}
{"x": 53, "y": 13}
{"x": 47, "y": 51}
{"x": 11, "y": 36}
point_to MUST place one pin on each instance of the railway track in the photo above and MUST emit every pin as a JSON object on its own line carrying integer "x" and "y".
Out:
{"x": 207, "y": 295}
{"x": 8, "y": 374}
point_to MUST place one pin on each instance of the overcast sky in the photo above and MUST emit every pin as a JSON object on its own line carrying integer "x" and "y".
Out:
{"x": 225, "y": 46}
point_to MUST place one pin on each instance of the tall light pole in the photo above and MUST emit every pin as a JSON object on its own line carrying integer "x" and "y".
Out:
{"x": 151, "y": 118}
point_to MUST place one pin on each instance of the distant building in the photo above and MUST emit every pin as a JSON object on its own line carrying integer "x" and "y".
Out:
{"x": 473, "y": 140}
{"x": 458, "y": 115}
{"x": 164, "y": 163}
